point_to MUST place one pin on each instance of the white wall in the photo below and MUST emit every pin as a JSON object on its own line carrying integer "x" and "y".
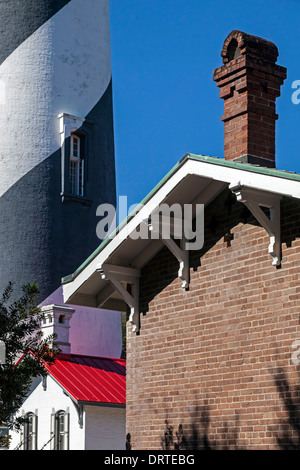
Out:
{"x": 105, "y": 428}
{"x": 93, "y": 331}
{"x": 44, "y": 403}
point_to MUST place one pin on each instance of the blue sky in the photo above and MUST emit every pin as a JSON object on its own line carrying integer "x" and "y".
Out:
{"x": 166, "y": 103}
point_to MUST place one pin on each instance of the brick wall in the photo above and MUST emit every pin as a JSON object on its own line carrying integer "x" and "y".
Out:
{"x": 211, "y": 367}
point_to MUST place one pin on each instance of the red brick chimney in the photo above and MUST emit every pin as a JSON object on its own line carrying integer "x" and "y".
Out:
{"x": 249, "y": 83}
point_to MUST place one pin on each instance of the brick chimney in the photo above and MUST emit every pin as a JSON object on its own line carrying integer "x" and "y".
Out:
{"x": 249, "y": 82}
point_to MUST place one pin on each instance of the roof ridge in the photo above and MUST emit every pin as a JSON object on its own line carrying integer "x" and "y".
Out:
{"x": 65, "y": 356}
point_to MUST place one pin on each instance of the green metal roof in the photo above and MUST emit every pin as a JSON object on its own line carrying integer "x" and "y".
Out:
{"x": 245, "y": 166}
{"x": 201, "y": 158}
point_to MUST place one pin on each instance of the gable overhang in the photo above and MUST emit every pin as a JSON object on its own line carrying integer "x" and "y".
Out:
{"x": 103, "y": 279}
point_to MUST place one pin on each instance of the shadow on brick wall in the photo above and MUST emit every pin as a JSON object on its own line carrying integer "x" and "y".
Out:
{"x": 196, "y": 436}
{"x": 288, "y": 434}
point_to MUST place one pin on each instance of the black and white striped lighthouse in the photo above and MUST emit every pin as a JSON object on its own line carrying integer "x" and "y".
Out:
{"x": 56, "y": 136}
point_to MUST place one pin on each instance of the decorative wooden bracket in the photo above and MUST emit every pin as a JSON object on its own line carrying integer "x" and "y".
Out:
{"x": 80, "y": 415}
{"x": 44, "y": 382}
{"x": 254, "y": 200}
{"x": 120, "y": 277}
{"x": 180, "y": 252}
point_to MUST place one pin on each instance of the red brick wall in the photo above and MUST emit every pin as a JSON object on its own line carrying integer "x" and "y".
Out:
{"x": 211, "y": 367}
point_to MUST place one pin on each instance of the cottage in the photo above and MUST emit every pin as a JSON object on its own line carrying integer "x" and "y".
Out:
{"x": 79, "y": 404}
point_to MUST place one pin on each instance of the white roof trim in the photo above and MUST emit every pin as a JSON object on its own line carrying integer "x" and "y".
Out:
{"x": 221, "y": 173}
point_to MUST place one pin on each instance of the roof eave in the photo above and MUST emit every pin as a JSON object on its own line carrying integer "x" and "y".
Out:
{"x": 216, "y": 170}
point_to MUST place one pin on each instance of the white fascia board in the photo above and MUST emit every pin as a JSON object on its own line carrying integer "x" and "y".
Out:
{"x": 222, "y": 173}
{"x": 263, "y": 182}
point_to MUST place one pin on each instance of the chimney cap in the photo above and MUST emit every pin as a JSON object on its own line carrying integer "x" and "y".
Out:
{"x": 250, "y": 45}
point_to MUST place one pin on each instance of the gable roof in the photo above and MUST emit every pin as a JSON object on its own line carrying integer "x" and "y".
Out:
{"x": 211, "y": 167}
{"x": 194, "y": 179}
{"x": 88, "y": 379}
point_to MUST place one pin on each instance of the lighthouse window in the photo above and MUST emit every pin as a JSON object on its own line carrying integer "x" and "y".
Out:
{"x": 76, "y": 167}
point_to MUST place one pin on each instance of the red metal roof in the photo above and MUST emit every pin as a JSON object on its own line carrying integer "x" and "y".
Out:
{"x": 91, "y": 379}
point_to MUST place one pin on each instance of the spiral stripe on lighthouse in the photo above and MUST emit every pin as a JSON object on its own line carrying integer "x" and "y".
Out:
{"x": 20, "y": 19}
{"x": 64, "y": 66}
{"x": 60, "y": 64}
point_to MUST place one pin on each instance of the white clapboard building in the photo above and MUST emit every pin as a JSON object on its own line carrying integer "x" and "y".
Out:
{"x": 80, "y": 403}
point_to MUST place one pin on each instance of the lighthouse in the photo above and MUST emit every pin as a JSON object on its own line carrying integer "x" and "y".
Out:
{"x": 57, "y": 147}
{"x": 57, "y": 162}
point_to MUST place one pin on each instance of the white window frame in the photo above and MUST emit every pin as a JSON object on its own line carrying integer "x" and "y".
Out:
{"x": 60, "y": 438}
{"x": 29, "y": 432}
{"x": 76, "y": 167}
{"x": 68, "y": 126}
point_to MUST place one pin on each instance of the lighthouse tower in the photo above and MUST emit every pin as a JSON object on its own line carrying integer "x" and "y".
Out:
{"x": 56, "y": 134}
{"x": 56, "y": 137}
